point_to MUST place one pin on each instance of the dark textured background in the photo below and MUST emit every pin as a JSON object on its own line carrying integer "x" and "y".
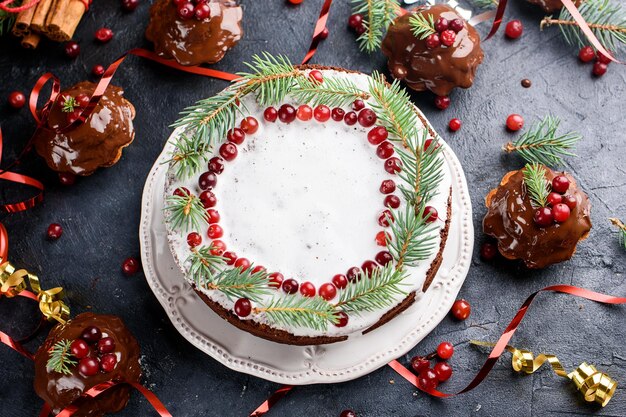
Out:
{"x": 100, "y": 217}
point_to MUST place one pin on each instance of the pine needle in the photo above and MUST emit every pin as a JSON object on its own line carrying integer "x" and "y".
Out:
{"x": 621, "y": 231}
{"x": 333, "y": 92}
{"x": 61, "y": 358}
{"x": 186, "y": 212}
{"x": 7, "y": 20}
{"x": 204, "y": 265}
{"x": 314, "y": 312}
{"x": 237, "y": 283}
{"x": 541, "y": 144}
{"x": 413, "y": 238}
{"x": 536, "y": 184}
{"x": 421, "y": 25}
{"x": 377, "y": 16}
{"x": 189, "y": 156}
{"x": 485, "y": 4}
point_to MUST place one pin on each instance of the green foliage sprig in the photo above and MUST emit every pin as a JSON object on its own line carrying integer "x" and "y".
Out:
{"x": 421, "y": 25}
{"x": 541, "y": 143}
{"x": 69, "y": 104}
{"x": 60, "y": 359}
{"x": 333, "y": 92}
{"x": 186, "y": 212}
{"x": 314, "y": 312}
{"x": 204, "y": 265}
{"x": 536, "y": 184}
{"x": 413, "y": 238}
{"x": 238, "y": 283}
{"x": 6, "y": 22}
{"x": 188, "y": 156}
{"x": 377, "y": 16}
{"x": 621, "y": 228}
{"x": 485, "y": 4}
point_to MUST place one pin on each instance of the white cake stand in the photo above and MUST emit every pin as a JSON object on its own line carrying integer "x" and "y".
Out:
{"x": 299, "y": 365}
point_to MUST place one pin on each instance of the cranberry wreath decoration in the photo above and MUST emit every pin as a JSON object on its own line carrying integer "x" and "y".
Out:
{"x": 401, "y": 142}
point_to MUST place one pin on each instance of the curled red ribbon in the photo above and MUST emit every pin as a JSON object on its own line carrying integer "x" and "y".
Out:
{"x": 5, "y": 5}
{"x": 271, "y": 401}
{"x": 320, "y": 25}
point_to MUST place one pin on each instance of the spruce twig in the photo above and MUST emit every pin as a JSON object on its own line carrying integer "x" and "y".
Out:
{"x": 333, "y": 92}
{"x": 377, "y": 16}
{"x": 189, "y": 156}
{"x": 204, "y": 265}
{"x": 60, "y": 359}
{"x": 485, "y": 4}
{"x": 536, "y": 184}
{"x": 621, "y": 231}
{"x": 7, "y": 20}
{"x": 541, "y": 143}
{"x": 237, "y": 283}
{"x": 69, "y": 104}
{"x": 314, "y": 312}
{"x": 413, "y": 238}
{"x": 421, "y": 25}
{"x": 186, "y": 212}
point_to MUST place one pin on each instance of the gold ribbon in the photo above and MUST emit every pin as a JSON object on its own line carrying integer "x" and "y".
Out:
{"x": 595, "y": 386}
{"x": 13, "y": 282}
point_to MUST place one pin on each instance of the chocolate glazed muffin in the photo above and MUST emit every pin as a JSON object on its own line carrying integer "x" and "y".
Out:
{"x": 195, "y": 41}
{"x": 551, "y": 6}
{"x": 96, "y": 143}
{"x": 509, "y": 220}
{"x": 60, "y": 390}
{"x": 440, "y": 69}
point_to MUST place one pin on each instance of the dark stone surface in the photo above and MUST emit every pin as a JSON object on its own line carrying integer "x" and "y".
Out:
{"x": 100, "y": 216}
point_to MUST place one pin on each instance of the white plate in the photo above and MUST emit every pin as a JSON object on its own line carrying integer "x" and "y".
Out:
{"x": 298, "y": 365}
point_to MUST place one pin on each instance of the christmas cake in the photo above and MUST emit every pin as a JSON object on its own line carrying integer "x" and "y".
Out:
{"x": 307, "y": 204}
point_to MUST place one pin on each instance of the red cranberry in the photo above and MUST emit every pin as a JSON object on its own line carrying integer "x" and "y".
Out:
{"x": 66, "y": 178}
{"x": 441, "y": 24}
{"x": 355, "y": 20}
{"x": 236, "y": 135}
{"x": 54, "y": 231}
{"x": 202, "y": 11}
{"x": 571, "y": 201}
{"x": 242, "y": 263}
{"x": 130, "y": 266}
{"x": 307, "y": 289}
{"x": 445, "y": 350}
{"x": 392, "y": 201}
{"x": 321, "y": 113}
{"x": 327, "y": 291}
{"x": 91, "y": 334}
{"x": 354, "y": 274}
{"x": 560, "y": 184}
{"x": 286, "y": 113}
{"x": 427, "y": 380}
{"x": 350, "y": 118}
{"x": 104, "y": 34}
{"x": 385, "y": 150}
{"x": 72, "y": 116}
{"x": 433, "y": 41}
{"x": 383, "y": 257}
{"x": 17, "y": 99}
{"x": 324, "y": 34}
{"x": 194, "y": 239}
{"x": 207, "y": 180}
{"x": 108, "y": 362}
{"x": 250, "y": 125}
{"x": 79, "y": 348}
{"x": 387, "y": 187}
{"x": 72, "y": 49}
{"x": 208, "y": 199}
{"x": 443, "y": 371}
{"x": 88, "y": 366}
{"x": 599, "y": 69}
{"x": 228, "y": 151}
{"x": 377, "y": 135}
{"x": 130, "y": 5}
{"x": 97, "y": 70}
{"x": 216, "y": 164}
{"x": 603, "y": 58}
{"x": 230, "y": 257}
{"x": 342, "y": 319}
{"x": 337, "y": 114}
{"x": 454, "y": 124}
{"x": 368, "y": 267}
{"x": 340, "y": 281}
{"x": 358, "y": 105}
{"x": 106, "y": 345}
{"x": 393, "y": 165}
{"x": 429, "y": 142}
{"x": 544, "y": 216}
{"x": 561, "y": 212}
{"x": 347, "y": 413}
{"x": 316, "y": 76}
{"x": 514, "y": 29}
{"x": 448, "y": 37}
{"x": 181, "y": 192}
{"x": 385, "y": 218}
{"x": 430, "y": 214}
{"x": 442, "y": 102}
{"x": 305, "y": 113}
{"x": 382, "y": 238}
{"x": 214, "y": 216}
{"x": 218, "y": 248}
{"x": 185, "y": 11}
{"x": 514, "y": 122}
{"x": 488, "y": 251}
{"x": 258, "y": 269}
{"x": 270, "y": 114}
{"x": 290, "y": 286}
{"x": 586, "y": 54}
{"x": 461, "y": 309}
{"x": 457, "y": 25}
{"x": 215, "y": 231}
{"x": 367, "y": 117}
{"x": 243, "y": 307}
{"x": 419, "y": 364}
{"x": 276, "y": 279}
{"x": 554, "y": 199}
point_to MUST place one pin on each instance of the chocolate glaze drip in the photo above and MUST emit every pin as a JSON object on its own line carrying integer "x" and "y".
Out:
{"x": 438, "y": 70}
{"x": 60, "y": 390}
{"x": 96, "y": 143}
{"x": 193, "y": 42}
{"x": 549, "y": 6}
{"x": 509, "y": 219}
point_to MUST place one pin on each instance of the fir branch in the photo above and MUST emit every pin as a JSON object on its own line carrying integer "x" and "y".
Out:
{"x": 413, "y": 238}
{"x": 542, "y": 145}
{"x": 607, "y": 20}
{"x": 237, "y": 283}
{"x": 333, "y": 92}
{"x": 186, "y": 212}
{"x": 69, "y": 104}
{"x": 421, "y": 25}
{"x": 271, "y": 78}
{"x": 485, "y": 4}
{"x": 536, "y": 184}
{"x": 7, "y": 20}
{"x": 621, "y": 230}
{"x": 204, "y": 265}
{"x": 372, "y": 292}
{"x": 377, "y": 16}
{"x": 311, "y": 312}
{"x": 60, "y": 358}
{"x": 189, "y": 156}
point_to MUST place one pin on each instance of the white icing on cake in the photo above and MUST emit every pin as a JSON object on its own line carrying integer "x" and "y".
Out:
{"x": 303, "y": 199}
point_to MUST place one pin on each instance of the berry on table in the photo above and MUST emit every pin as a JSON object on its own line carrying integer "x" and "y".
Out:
{"x": 442, "y": 102}
{"x": 290, "y": 286}
{"x": 561, "y": 212}
{"x": 382, "y": 238}
{"x": 249, "y": 125}
{"x": 17, "y": 99}
{"x": 130, "y": 266}
{"x": 419, "y": 363}
{"x": 66, "y": 178}
{"x": 270, "y": 114}
{"x": 488, "y": 251}
{"x": 286, "y": 113}
{"x": 324, "y": 34}
{"x": 54, "y": 231}
{"x": 108, "y": 362}
{"x": 586, "y": 54}
{"x": 72, "y": 49}
{"x": 295, "y": 1}
{"x": 340, "y": 281}
{"x": 88, "y": 366}
{"x": 236, "y": 135}
{"x": 603, "y": 58}
{"x": 91, "y": 334}
{"x": 461, "y": 309}
{"x": 79, "y": 349}
{"x": 454, "y": 124}
{"x": 443, "y": 371}
{"x": 194, "y": 239}
{"x": 514, "y": 122}
{"x": 543, "y": 216}
{"x": 97, "y": 70}
{"x": 445, "y": 350}
{"x": 218, "y": 248}
{"x": 307, "y": 289}
{"x": 427, "y": 380}
{"x": 243, "y": 307}
{"x": 448, "y": 37}
{"x": 514, "y": 29}
{"x": 130, "y": 5}
{"x": 560, "y": 184}
{"x": 377, "y": 135}
{"x": 327, "y": 291}
{"x": 355, "y": 21}
{"x": 104, "y": 35}
{"x": 599, "y": 69}
{"x": 347, "y": 413}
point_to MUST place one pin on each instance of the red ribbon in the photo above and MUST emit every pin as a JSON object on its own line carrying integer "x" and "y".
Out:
{"x": 5, "y": 5}
{"x": 320, "y": 25}
{"x": 7, "y": 340}
{"x": 271, "y": 401}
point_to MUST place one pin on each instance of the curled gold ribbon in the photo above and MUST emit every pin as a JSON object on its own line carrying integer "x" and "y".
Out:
{"x": 14, "y": 281}
{"x": 595, "y": 386}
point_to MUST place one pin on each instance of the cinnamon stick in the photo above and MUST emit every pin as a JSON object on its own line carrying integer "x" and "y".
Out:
{"x": 63, "y": 19}
{"x": 31, "y": 40}
{"x": 22, "y": 22}
{"x": 38, "y": 23}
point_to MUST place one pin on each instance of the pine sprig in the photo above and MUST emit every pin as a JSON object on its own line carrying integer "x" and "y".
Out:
{"x": 541, "y": 144}
{"x": 377, "y": 16}
{"x": 7, "y": 20}
{"x": 485, "y": 4}
{"x": 314, "y": 312}
{"x": 69, "y": 104}
{"x": 204, "y": 265}
{"x": 270, "y": 78}
{"x": 606, "y": 19}
{"x": 186, "y": 212}
{"x": 189, "y": 156}
{"x": 621, "y": 228}
{"x": 60, "y": 359}
{"x": 413, "y": 238}
{"x": 536, "y": 184}
{"x": 237, "y": 283}
{"x": 333, "y": 92}
{"x": 422, "y": 25}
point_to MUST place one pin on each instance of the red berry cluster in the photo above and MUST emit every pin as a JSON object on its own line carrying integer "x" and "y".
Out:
{"x": 186, "y": 9}
{"x": 94, "y": 351}
{"x": 445, "y": 34}
{"x": 587, "y": 54}
{"x": 559, "y": 205}
{"x": 429, "y": 378}
{"x": 355, "y": 22}
{"x": 73, "y": 106}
